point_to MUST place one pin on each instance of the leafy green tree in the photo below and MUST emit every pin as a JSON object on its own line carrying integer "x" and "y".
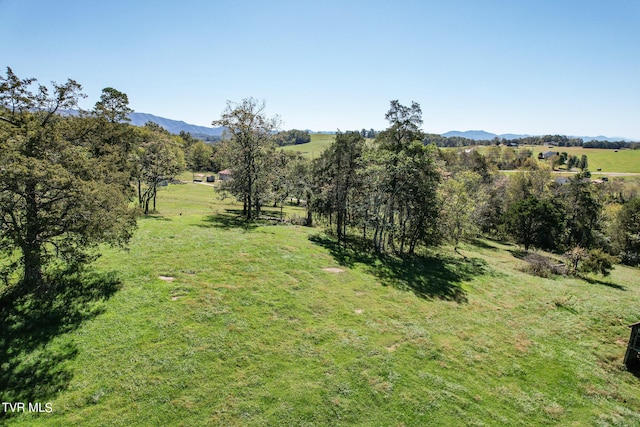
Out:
{"x": 56, "y": 198}
{"x": 627, "y": 232}
{"x": 401, "y": 206}
{"x": 159, "y": 158}
{"x": 583, "y": 213}
{"x": 336, "y": 179}
{"x": 113, "y": 105}
{"x": 462, "y": 196}
{"x": 535, "y": 222}
{"x": 199, "y": 157}
{"x": 292, "y": 137}
{"x": 598, "y": 261}
{"x": 249, "y": 151}
{"x": 583, "y": 163}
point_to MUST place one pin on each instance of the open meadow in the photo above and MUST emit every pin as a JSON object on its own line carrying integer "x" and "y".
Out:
{"x": 209, "y": 320}
{"x": 609, "y": 161}
{"x": 319, "y": 142}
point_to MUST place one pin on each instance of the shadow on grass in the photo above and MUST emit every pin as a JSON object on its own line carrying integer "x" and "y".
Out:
{"x": 156, "y": 217}
{"x": 32, "y": 361}
{"x": 483, "y": 244}
{"x": 428, "y": 277}
{"x": 233, "y": 218}
{"x": 594, "y": 281}
{"x": 230, "y": 219}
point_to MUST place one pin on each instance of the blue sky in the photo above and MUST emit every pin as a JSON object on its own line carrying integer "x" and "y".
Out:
{"x": 545, "y": 66}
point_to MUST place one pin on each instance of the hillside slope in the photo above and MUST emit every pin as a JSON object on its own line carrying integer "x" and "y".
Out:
{"x": 218, "y": 322}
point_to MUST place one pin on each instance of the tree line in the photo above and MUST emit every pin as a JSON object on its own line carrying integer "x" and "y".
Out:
{"x": 395, "y": 193}
{"x": 67, "y": 183}
{"x": 556, "y": 140}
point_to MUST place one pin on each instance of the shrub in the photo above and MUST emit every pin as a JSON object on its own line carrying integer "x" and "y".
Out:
{"x": 542, "y": 266}
{"x": 598, "y": 261}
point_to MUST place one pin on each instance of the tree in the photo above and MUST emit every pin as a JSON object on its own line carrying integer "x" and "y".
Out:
{"x": 113, "y": 105}
{"x": 583, "y": 213}
{"x": 336, "y": 179}
{"x": 158, "y": 158}
{"x": 299, "y": 174}
{"x": 402, "y": 204}
{"x": 627, "y": 232}
{"x": 56, "y": 198}
{"x": 598, "y": 261}
{"x": 583, "y": 163}
{"x": 199, "y": 156}
{"x": 249, "y": 151}
{"x": 534, "y": 222}
{"x": 461, "y": 201}
{"x": 292, "y": 137}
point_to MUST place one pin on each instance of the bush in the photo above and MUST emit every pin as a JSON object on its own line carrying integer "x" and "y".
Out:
{"x": 542, "y": 266}
{"x": 598, "y": 261}
{"x": 297, "y": 220}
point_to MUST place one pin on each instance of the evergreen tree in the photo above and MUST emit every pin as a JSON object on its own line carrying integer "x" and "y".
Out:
{"x": 58, "y": 197}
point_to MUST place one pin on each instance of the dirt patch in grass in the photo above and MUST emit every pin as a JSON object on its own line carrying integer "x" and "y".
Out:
{"x": 167, "y": 278}
{"x": 333, "y": 270}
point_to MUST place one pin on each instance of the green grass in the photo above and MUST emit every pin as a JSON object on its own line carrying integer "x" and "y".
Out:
{"x": 625, "y": 161}
{"x": 319, "y": 142}
{"x": 621, "y": 161}
{"x": 253, "y": 331}
{"x": 610, "y": 161}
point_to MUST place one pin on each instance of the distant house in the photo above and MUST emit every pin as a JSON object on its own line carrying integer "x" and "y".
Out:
{"x": 547, "y": 155}
{"x": 224, "y": 175}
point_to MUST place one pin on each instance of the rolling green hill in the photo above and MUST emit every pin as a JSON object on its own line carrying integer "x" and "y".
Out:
{"x": 314, "y": 148}
{"x": 213, "y": 321}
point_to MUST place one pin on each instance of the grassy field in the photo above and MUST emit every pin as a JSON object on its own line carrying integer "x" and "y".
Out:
{"x": 608, "y": 160}
{"x": 207, "y": 320}
{"x": 622, "y": 161}
{"x": 314, "y": 148}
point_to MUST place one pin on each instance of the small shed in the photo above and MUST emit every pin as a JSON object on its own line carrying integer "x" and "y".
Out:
{"x": 632, "y": 357}
{"x": 224, "y": 175}
{"x": 211, "y": 178}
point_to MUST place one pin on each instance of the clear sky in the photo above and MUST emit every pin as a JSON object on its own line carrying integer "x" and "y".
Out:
{"x": 520, "y": 66}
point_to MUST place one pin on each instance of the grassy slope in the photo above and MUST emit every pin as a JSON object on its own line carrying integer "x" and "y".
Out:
{"x": 252, "y": 331}
{"x": 312, "y": 149}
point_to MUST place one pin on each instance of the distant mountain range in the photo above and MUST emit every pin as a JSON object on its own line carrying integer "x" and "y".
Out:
{"x": 482, "y": 135}
{"x": 176, "y": 126}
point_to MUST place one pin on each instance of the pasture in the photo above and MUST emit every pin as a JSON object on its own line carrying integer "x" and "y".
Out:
{"x": 208, "y": 320}
{"x": 313, "y": 148}
{"x": 610, "y": 161}
{"x": 624, "y": 161}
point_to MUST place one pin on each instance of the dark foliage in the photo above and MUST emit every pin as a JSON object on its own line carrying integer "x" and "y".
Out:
{"x": 32, "y": 366}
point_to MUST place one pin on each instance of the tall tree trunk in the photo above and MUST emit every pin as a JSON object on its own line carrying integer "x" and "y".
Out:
{"x": 309, "y": 215}
{"x": 249, "y": 201}
{"x": 31, "y": 249}
{"x": 32, "y": 265}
